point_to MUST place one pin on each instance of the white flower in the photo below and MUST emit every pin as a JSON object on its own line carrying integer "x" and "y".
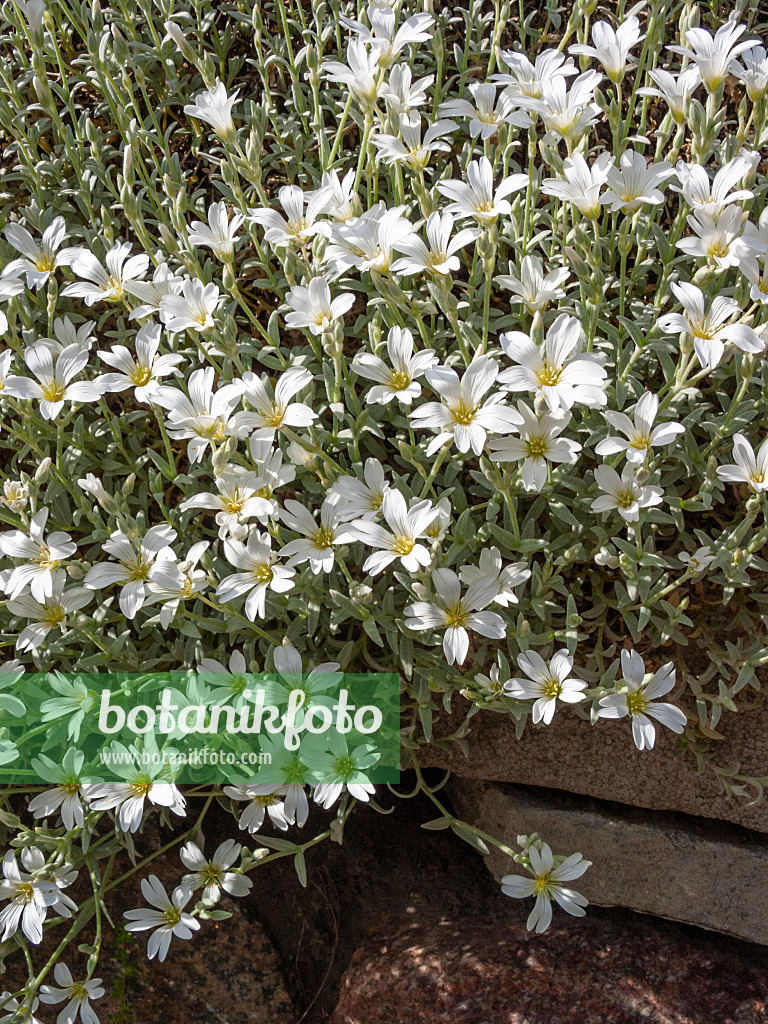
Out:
{"x": 77, "y": 995}
{"x": 703, "y": 322}
{"x": 29, "y": 898}
{"x": 258, "y": 573}
{"x": 38, "y": 260}
{"x": 43, "y": 556}
{"x": 711, "y": 197}
{"x": 582, "y": 183}
{"x": 640, "y": 435}
{"x": 463, "y": 416}
{"x": 361, "y": 74}
{"x": 215, "y": 108}
{"x": 532, "y": 288}
{"x": 718, "y": 237}
{"x": 65, "y": 797}
{"x": 314, "y": 308}
{"x": 401, "y": 93}
{"x": 274, "y": 409}
{"x": 485, "y": 114}
{"x": 546, "y": 684}
{"x": 143, "y": 371}
{"x": 749, "y": 468}
{"x": 140, "y": 784}
{"x": 440, "y": 257}
{"x": 361, "y": 499}
{"x": 342, "y": 203}
{"x": 54, "y": 385}
{"x": 490, "y": 569}
{"x": 269, "y": 465}
{"x": 136, "y": 562}
{"x": 204, "y": 417}
{"x": 48, "y": 614}
{"x": 676, "y": 92}
{"x": 639, "y": 700}
{"x": 624, "y": 493}
{"x": 173, "y": 582}
{"x": 33, "y": 11}
{"x": 366, "y": 242}
{"x": 606, "y": 557}
{"x": 15, "y": 494}
{"x": 410, "y": 148}
{"x": 67, "y": 334}
{"x": 101, "y": 284}
{"x": 538, "y": 444}
{"x": 547, "y": 885}
{"x": 525, "y": 79}
{"x": 24, "y": 1012}
{"x": 407, "y": 526}
{"x": 262, "y": 800}
{"x": 214, "y": 875}
{"x": 714, "y": 57}
{"x": 301, "y": 225}
{"x": 168, "y": 917}
{"x": 399, "y": 381}
{"x": 477, "y": 197}
{"x": 317, "y": 542}
{"x": 438, "y": 528}
{"x": 567, "y": 114}
{"x": 384, "y": 38}
{"x": 611, "y": 48}
{"x": 700, "y": 560}
{"x": 754, "y": 72}
{"x": 150, "y": 293}
{"x": 456, "y": 614}
{"x": 635, "y": 183}
{"x": 237, "y": 501}
{"x": 561, "y": 375}
{"x": 193, "y": 309}
{"x": 220, "y": 233}
{"x": 342, "y": 769}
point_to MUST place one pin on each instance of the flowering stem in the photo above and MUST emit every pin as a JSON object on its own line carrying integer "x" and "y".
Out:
{"x": 433, "y": 472}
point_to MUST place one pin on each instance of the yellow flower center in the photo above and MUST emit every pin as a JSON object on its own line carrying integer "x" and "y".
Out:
{"x": 212, "y": 430}
{"x": 263, "y": 573}
{"x": 717, "y": 248}
{"x": 323, "y": 538}
{"x": 456, "y": 617}
{"x": 537, "y": 447}
{"x": 464, "y": 414}
{"x": 141, "y": 375}
{"x": 54, "y": 392}
{"x": 549, "y": 376}
{"x": 139, "y": 570}
{"x": 116, "y": 285}
{"x": 25, "y": 892}
{"x": 636, "y": 703}
{"x": 211, "y": 874}
{"x": 625, "y": 499}
{"x": 54, "y": 615}
{"x": 46, "y": 262}
{"x": 403, "y": 545}
{"x": 141, "y": 785}
{"x": 399, "y": 380}
{"x": 552, "y": 688}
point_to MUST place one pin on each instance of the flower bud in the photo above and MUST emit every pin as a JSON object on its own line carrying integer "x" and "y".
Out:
{"x": 41, "y": 473}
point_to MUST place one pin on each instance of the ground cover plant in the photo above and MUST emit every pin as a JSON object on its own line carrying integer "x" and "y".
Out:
{"x": 402, "y": 338}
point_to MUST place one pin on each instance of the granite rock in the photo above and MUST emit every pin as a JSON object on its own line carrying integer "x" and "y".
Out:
{"x": 663, "y": 864}
{"x": 579, "y": 972}
{"x": 601, "y": 761}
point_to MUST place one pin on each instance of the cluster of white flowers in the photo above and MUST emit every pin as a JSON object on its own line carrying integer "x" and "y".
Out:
{"x": 449, "y": 388}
